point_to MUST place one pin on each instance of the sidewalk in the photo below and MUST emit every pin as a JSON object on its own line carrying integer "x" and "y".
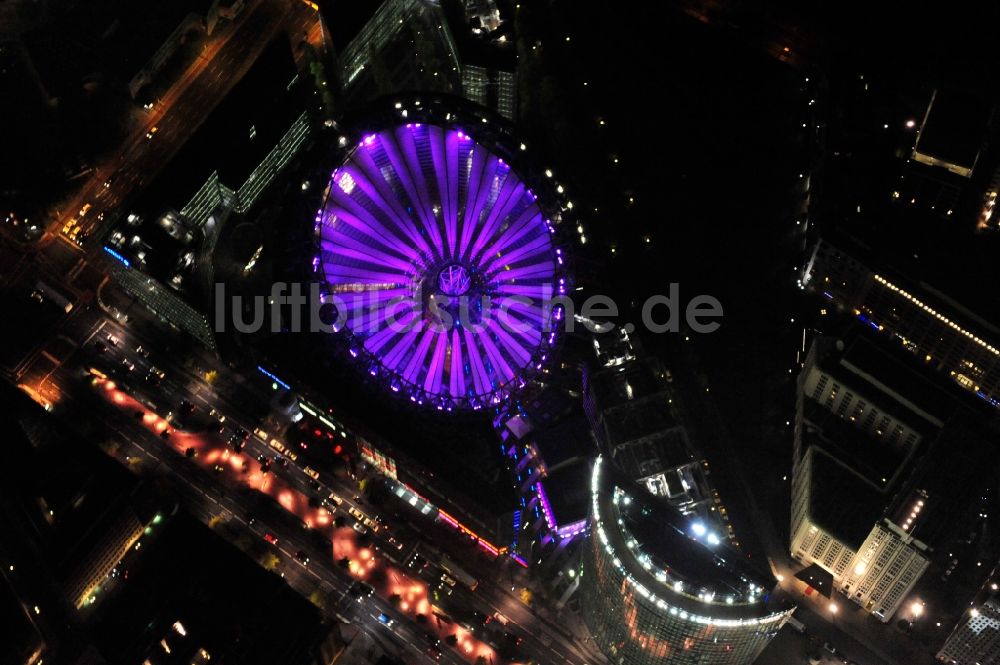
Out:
{"x": 883, "y": 640}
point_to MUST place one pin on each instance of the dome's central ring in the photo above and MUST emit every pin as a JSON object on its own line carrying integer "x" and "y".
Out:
{"x": 454, "y": 280}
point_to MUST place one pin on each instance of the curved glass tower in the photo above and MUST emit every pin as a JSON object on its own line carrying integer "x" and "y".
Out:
{"x": 657, "y": 588}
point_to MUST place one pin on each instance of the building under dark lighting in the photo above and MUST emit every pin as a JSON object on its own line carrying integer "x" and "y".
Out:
{"x": 888, "y": 470}
{"x": 678, "y": 597}
{"x": 977, "y": 638}
{"x": 932, "y": 326}
{"x": 627, "y": 398}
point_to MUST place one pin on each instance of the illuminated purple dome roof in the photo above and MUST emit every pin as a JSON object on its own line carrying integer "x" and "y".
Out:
{"x": 441, "y": 264}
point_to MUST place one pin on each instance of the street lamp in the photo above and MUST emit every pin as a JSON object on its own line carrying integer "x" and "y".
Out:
{"x": 917, "y": 608}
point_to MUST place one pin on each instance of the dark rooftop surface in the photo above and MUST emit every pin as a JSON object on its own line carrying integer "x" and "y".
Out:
{"x": 236, "y": 135}
{"x": 228, "y": 606}
{"x": 616, "y": 386}
{"x": 961, "y": 467}
{"x": 840, "y": 502}
{"x": 955, "y": 127}
{"x": 872, "y": 370}
{"x": 889, "y": 371}
{"x": 870, "y": 457}
{"x": 85, "y": 39}
{"x": 646, "y": 418}
{"x": 662, "y": 533}
{"x": 78, "y": 485}
{"x": 568, "y": 491}
{"x": 346, "y": 19}
{"x": 658, "y": 452}
{"x": 20, "y": 638}
{"x": 892, "y": 212}
{"x": 565, "y": 440}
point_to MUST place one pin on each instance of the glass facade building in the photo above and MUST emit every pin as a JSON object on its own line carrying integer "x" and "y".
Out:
{"x": 658, "y": 589}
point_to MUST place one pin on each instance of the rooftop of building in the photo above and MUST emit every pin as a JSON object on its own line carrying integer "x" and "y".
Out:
{"x": 79, "y": 489}
{"x": 642, "y": 420}
{"x": 884, "y": 380}
{"x": 634, "y": 380}
{"x": 566, "y": 440}
{"x": 912, "y": 222}
{"x": 658, "y": 451}
{"x": 116, "y": 38}
{"x": 235, "y": 136}
{"x": 671, "y": 556}
{"x": 954, "y": 128}
{"x": 224, "y": 603}
{"x": 841, "y": 502}
{"x": 856, "y": 478}
{"x": 877, "y": 461}
{"x": 931, "y": 270}
{"x": 954, "y": 481}
{"x": 21, "y": 638}
{"x": 568, "y": 491}
{"x": 480, "y": 49}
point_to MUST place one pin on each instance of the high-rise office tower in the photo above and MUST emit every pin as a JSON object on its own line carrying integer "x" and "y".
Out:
{"x": 659, "y": 587}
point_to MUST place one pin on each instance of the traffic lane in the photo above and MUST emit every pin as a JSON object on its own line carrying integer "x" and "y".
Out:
{"x": 300, "y": 482}
{"x": 413, "y": 596}
{"x": 212, "y": 451}
{"x": 361, "y": 559}
{"x": 224, "y": 502}
{"x": 825, "y": 631}
{"x": 253, "y": 30}
{"x": 362, "y": 563}
{"x": 297, "y": 478}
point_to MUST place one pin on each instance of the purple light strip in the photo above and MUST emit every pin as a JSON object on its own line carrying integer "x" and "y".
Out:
{"x": 513, "y": 235}
{"x": 513, "y": 349}
{"x": 404, "y": 344}
{"x": 480, "y": 377}
{"x": 401, "y": 167}
{"x": 432, "y": 383}
{"x": 352, "y": 214}
{"x": 483, "y": 168}
{"x": 499, "y": 363}
{"x": 457, "y": 377}
{"x": 444, "y": 155}
{"x": 502, "y": 207}
{"x": 379, "y": 339}
{"x": 546, "y": 506}
{"x": 421, "y": 202}
{"x": 419, "y": 356}
{"x": 387, "y": 200}
{"x": 536, "y": 250}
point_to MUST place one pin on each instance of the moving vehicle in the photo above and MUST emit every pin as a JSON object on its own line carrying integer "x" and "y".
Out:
{"x": 385, "y": 619}
{"x": 453, "y": 569}
{"x": 46, "y": 292}
{"x": 359, "y": 591}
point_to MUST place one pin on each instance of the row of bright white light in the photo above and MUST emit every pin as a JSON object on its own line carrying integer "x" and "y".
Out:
{"x": 699, "y": 530}
{"x": 569, "y": 204}
{"x": 678, "y": 587}
{"x": 937, "y": 315}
